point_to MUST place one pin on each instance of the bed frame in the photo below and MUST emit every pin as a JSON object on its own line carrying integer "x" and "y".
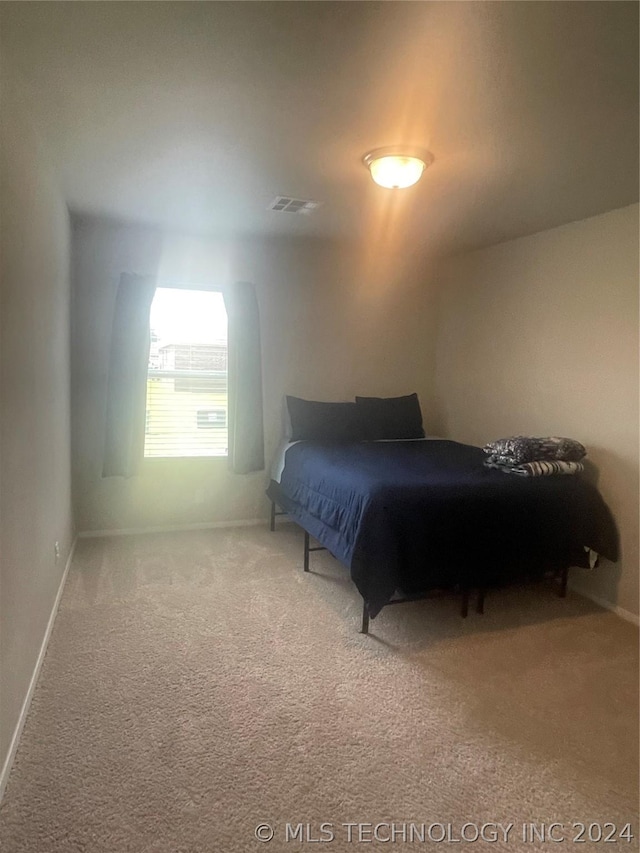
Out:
{"x": 364, "y": 628}
{"x": 562, "y": 576}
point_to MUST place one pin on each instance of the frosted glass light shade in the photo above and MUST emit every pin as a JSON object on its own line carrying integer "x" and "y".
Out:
{"x": 396, "y": 170}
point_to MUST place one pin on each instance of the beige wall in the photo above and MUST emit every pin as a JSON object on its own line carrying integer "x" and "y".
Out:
{"x": 35, "y": 501}
{"x": 540, "y": 336}
{"x": 336, "y": 320}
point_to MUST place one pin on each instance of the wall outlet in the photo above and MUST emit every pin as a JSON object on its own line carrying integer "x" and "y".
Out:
{"x": 56, "y": 550}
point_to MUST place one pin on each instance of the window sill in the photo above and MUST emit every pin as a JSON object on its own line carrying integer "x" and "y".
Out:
{"x": 200, "y": 459}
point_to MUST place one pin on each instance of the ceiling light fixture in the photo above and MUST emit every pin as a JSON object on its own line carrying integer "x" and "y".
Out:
{"x": 396, "y": 168}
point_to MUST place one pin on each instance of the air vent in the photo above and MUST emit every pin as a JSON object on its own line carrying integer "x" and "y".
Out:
{"x": 284, "y": 204}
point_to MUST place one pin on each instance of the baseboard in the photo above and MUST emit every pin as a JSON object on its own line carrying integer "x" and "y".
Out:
{"x": 627, "y": 615}
{"x": 173, "y": 528}
{"x": 15, "y": 740}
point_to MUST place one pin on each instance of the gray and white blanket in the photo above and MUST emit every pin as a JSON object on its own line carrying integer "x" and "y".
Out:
{"x": 537, "y": 468}
{"x": 529, "y": 456}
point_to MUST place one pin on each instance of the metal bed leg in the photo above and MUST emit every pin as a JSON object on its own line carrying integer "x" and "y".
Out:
{"x": 464, "y": 609}
{"x": 306, "y": 551}
{"x": 564, "y": 580}
{"x": 480, "y": 602}
{"x": 365, "y": 619}
{"x": 272, "y": 521}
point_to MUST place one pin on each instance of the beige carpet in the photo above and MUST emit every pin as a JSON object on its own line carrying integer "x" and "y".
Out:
{"x": 199, "y": 684}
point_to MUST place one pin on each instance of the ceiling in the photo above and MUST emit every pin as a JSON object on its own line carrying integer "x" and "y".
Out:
{"x": 194, "y": 116}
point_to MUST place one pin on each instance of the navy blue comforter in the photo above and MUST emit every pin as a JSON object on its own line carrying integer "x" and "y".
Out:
{"x": 415, "y": 515}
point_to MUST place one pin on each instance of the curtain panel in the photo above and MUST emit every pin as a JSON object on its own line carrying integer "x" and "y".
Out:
{"x": 245, "y": 421}
{"x": 127, "y": 385}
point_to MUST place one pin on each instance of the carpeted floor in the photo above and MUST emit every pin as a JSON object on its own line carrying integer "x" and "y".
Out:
{"x": 199, "y": 684}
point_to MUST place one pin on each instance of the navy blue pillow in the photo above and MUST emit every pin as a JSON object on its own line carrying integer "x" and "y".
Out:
{"x": 316, "y": 421}
{"x": 391, "y": 417}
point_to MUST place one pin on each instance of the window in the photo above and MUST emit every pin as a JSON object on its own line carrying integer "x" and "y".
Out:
{"x": 187, "y": 377}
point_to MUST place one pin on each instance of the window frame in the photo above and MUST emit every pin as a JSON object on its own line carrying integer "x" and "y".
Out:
{"x": 215, "y": 459}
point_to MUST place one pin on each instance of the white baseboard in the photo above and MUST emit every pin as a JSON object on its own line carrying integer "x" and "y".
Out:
{"x": 15, "y": 740}
{"x": 627, "y": 615}
{"x": 173, "y": 528}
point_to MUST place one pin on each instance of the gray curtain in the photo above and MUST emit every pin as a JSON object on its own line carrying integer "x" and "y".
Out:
{"x": 246, "y": 433}
{"x": 128, "y": 364}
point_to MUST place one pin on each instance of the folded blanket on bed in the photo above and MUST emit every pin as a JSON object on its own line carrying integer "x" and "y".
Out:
{"x": 537, "y": 468}
{"x": 519, "y": 449}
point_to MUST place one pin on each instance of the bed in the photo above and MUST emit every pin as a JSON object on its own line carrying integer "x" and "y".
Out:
{"x": 412, "y": 516}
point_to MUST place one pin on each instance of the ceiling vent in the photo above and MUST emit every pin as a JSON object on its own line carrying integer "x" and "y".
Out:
{"x": 284, "y": 204}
